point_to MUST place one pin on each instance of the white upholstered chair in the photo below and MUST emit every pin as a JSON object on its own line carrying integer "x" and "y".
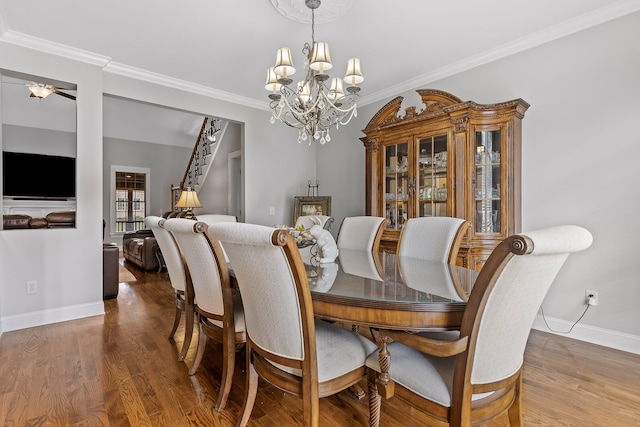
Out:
{"x": 479, "y": 375}
{"x": 361, "y": 232}
{"x": 286, "y": 345}
{"x": 218, "y": 306}
{"x": 433, "y": 238}
{"x": 213, "y": 218}
{"x": 178, "y": 277}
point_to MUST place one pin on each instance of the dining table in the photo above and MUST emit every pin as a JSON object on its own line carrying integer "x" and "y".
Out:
{"x": 385, "y": 291}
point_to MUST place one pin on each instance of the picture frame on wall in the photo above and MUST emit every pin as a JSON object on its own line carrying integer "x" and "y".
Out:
{"x": 311, "y": 205}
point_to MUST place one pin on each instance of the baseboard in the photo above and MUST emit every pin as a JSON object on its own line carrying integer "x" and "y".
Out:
{"x": 45, "y": 317}
{"x": 605, "y": 337}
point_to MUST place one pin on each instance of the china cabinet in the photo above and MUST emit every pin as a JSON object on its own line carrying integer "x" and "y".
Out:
{"x": 447, "y": 158}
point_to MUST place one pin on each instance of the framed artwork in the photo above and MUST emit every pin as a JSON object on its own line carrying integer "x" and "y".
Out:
{"x": 311, "y": 205}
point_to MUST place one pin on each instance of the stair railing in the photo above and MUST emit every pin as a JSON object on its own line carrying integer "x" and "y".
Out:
{"x": 197, "y": 162}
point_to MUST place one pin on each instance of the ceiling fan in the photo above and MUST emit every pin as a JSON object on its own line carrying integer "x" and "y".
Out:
{"x": 42, "y": 90}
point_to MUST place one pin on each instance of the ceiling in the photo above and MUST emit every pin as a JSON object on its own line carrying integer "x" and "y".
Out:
{"x": 224, "y": 48}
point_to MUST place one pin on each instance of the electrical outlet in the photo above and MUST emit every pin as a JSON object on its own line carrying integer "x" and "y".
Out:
{"x": 591, "y": 297}
{"x": 32, "y": 287}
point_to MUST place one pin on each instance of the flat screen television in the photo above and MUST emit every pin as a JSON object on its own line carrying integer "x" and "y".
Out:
{"x": 38, "y": 176}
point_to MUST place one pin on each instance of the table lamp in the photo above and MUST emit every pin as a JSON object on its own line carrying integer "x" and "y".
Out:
{"x": 188, "y": 200}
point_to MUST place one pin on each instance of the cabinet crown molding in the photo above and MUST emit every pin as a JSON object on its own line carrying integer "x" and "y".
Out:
{"x": 439, "y": 103}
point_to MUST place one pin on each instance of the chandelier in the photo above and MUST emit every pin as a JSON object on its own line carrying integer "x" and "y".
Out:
{"x": 312, "y": 106}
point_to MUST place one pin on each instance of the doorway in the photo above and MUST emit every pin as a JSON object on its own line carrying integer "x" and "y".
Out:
{"x": 235, "y": 196}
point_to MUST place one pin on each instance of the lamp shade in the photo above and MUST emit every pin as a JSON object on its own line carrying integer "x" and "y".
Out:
{"x": 335, "y": 91}
{"x": 272, "y": 81}
{"x": 188, "y": 199}
{"x": 320, "y": 58}
{"x": 353, "y": 76}
{"x": 284, "y": 63}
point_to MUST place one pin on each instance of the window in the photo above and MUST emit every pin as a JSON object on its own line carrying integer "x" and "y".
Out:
{"x": 129, "y": 200}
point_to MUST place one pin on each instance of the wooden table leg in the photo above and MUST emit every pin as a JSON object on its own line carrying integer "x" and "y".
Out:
{"x": 384, "y": 385}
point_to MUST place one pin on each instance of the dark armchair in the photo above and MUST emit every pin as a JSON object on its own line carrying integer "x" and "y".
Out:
{"x": 140, "y": 248}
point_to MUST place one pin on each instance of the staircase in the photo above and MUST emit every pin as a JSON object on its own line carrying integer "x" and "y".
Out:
{"x": 204, "y": 151}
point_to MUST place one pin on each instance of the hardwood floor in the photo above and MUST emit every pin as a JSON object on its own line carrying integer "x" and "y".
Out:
{"x": 121, "y": 370}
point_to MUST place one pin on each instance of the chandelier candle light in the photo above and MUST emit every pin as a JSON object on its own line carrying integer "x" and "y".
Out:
{"x": 312, "y": 107}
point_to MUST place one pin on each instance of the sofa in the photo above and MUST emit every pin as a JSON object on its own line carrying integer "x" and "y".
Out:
{"x": 61, "y": 219}
{"x": 52, "y": 220}
{"x": 140, "y": 248}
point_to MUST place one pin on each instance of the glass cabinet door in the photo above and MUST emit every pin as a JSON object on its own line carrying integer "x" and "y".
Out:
{"x": 488, "y": 185}
{"x": 432, "y": 176}
{"x": 396, "y": 184}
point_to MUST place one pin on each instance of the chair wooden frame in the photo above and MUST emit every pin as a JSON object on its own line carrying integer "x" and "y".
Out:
{"x": 260, "y": 362}
{"x": 505, "y": 393}
{"x": 231, "y": 340}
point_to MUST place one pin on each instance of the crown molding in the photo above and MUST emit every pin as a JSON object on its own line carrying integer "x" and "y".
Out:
{"x": 160, "y": 79}
{"x": 47, "y": 46}
{"x": 574, "y": 25}
{"x": 108, "y": 66}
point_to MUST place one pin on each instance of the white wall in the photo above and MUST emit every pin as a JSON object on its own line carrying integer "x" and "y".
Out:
{"x": 166, "y": 164}
{"x": 21, "y": 139}
{"x": 66, "y": 263}
{"x": 580, "y": 165}
{"x": 214, "y": 188}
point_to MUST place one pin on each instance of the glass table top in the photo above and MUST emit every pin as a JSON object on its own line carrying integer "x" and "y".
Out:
{"x": 387, "y": 277}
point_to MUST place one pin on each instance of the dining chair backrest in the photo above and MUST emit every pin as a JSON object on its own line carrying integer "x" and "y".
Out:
{"x": 361, "y": 232}
{"x": 213, "y": 218}
{"x": 308, "y": 221}
{"x": 204, "y": 263}
{"x": 433, "y": 238}
{"x": 274, "y": 290}
{"x": 507, "y": 295}
{"x": 170, "y": 251}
